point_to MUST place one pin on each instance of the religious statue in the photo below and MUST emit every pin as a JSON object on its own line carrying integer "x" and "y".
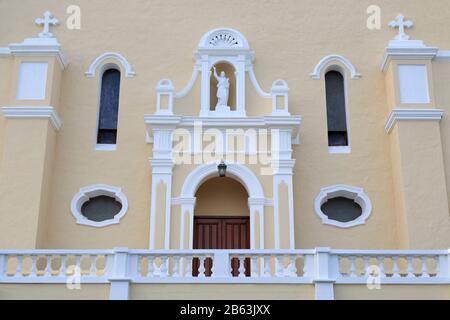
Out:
{"x": 223, "y": 87}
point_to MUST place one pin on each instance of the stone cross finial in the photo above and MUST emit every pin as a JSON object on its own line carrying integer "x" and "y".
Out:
{"x": 401, "y": 24}
{"x": 48, "y": 20}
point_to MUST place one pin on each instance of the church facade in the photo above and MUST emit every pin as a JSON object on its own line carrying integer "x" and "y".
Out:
{"x": 170, "y": 150}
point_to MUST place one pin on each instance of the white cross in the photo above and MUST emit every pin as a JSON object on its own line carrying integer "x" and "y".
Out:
{"x": 48, "y": 20}
{"x": 401, "y": 24}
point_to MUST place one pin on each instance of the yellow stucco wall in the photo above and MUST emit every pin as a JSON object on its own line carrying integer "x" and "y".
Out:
{"x": 223, "y": 292}
{"x": 159, "y": 44}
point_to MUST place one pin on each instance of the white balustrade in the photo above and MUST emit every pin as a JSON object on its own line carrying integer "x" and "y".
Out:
{"x": 218, "y": 266}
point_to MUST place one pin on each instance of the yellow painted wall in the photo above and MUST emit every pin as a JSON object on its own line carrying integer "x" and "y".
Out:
{"x": 223, "y": 292}
{"x": 392, "y": 292}
{"x": 53, "y": 292}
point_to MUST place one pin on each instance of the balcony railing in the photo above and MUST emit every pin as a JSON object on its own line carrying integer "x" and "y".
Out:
{"x": 225, "y": 266}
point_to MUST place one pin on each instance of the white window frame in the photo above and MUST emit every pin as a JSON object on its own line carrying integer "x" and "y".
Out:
{"x": 340, "y": 149}
{"x": 103, "y": 146}
{"x": 353, "y": 193}
{"x": 97, "y": 190}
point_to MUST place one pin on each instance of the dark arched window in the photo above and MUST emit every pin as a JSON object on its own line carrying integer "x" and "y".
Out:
{"x": 109, "y": 107}
{"x": 336, "y": 114}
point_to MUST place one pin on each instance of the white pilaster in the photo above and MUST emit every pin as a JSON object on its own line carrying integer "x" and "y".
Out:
{"x": 282, "y": 170}
{"x": 120, "y": 282}
{"x": 256, "y": 206}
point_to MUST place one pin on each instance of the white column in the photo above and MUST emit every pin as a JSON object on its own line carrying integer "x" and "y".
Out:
{"x": 240, "y": 85}
{"x": 206, "y": 83}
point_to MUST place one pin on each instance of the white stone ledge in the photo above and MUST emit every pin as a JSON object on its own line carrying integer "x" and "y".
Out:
{"x": 38, "y": 112}
{"x": 412, "y": 115}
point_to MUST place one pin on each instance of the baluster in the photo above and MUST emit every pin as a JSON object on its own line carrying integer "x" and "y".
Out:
{"x": 150, "y": 266}
{"x": 437, "y": 261}
{"x": 62, "y": 270}
{"x": 77, "y": 264}
{"x": 189, "y": 266}
{"x": 293, "y": 266}
{"x": 19, "y": 269}
{"x": 267, "y": 271}
{"x": 352, "y": 271}
{"x": 201, "y": 268}
{"x": 48, "y": 266}
{"x": 3, "y": 265}
{"x": 33, "y": 271}
{"x": 164, "y": 268}
{"x": 424, "y": 267}
{"x": 140, "y": 261}
{"x": 395, "y": 268}
{"x": 176, "y": 266}
{"x": 381, "y": 266}
{"x": 366, "y": 265}
{"x": 308, "y": 267}
{"x": 410, "y": 271}
{"x": 241, "y": 266}
{"x": 93, "y": 270}
{"x": 254, "y": 266}
{"x": 279, "y": 265}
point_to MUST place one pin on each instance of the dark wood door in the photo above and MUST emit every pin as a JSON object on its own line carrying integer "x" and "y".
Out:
{"x": 221, "y": 233}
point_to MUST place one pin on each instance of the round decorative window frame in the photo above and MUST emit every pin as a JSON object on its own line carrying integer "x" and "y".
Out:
{"x": 95, "y": 191}
{"x": 349, "y": 192}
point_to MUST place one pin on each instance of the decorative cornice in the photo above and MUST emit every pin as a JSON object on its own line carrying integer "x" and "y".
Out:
{"x": 407, "y": 50}
{"x": 46, "y": 112}
{"x": 173, "y": 121}
{"x": 39, "y": 47}
{"x": 129, "y": 71}
{"x": 412, "y": 114}
{"x": 443, "y": 55}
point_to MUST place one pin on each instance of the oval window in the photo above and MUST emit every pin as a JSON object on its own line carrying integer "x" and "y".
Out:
{"x": 101, "y": 208}
{"x": 341, "y": 209}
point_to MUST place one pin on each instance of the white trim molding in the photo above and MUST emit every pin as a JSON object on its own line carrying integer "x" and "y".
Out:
{"x": 326, "y": 61}
{"x": 412, "y": 114}
{"x": 349, "y": 192}
{"x": 129, "y": 71}
{"x": 46, "y": 112}
{"x": 239, "y": 172}
{"x": 94, "y": 191}
{"x": 340, "y": 150}
{"x": 5, "y": 53}
{"x": 39, "y": 47}
{"x": 407, "y": 50}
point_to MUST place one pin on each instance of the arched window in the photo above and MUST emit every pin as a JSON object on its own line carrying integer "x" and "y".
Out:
{"x": 336, "y": 109}
{"x": 109, "y": 107}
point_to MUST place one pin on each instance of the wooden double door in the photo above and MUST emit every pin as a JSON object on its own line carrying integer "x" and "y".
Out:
{"x": 221, "y": 233}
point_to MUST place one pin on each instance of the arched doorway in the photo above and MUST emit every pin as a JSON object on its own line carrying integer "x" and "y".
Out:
{"x": 239, "y": 173}
{"x": 221, "y": 220}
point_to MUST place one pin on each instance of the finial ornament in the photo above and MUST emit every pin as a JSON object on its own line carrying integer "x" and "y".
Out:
{"x": 401, "y": 24}
{"x": 48, "y": 20}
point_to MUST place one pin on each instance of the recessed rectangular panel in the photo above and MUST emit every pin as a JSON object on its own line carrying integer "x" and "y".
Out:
{"x": 413, "y": 84}
{"x": 32, "y": 81}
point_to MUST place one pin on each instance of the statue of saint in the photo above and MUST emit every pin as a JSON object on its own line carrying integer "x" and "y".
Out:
{"x": 223, "y": 87}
